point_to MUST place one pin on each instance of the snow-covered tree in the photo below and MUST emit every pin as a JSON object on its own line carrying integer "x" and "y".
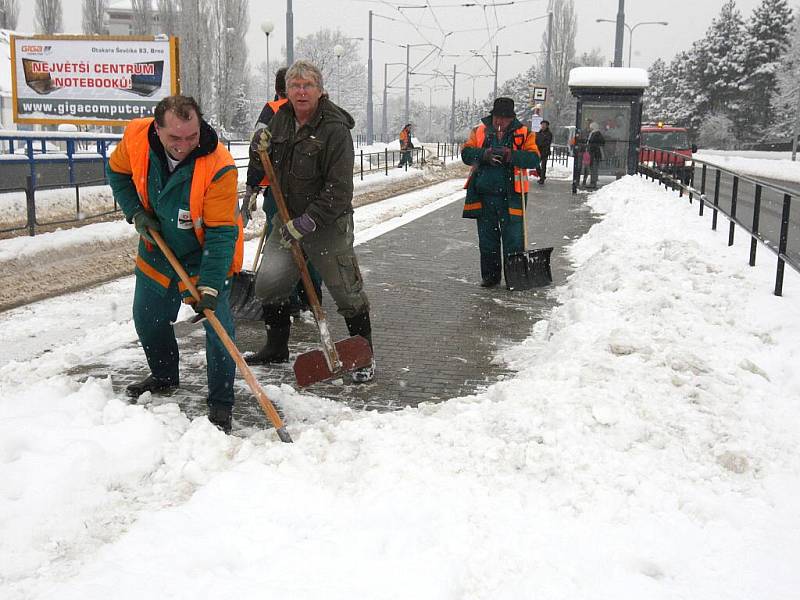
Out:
{"x": 593, "y": 58}
{"x": 240, "y": 120}
{"x": 655, "y": 96}
{"x": 347, "y": 71}
{"x": 717, "y": 131}
{"x": 9, "y": 14}
{"x": 48, "y": 16}
{"x": 94, "y": 13}
{"x": 142, "y": 13}
{"x": 680, "y": 94}
{"x": 785, "y": 102}
{"x": 717, "y": 66}
{"x": 768, "y": 37}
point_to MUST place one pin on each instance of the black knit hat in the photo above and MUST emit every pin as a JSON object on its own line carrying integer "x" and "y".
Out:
{"x": 503, "y": 107}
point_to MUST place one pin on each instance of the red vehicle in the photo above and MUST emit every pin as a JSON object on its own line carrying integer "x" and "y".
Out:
{"x": 659, "y": 136}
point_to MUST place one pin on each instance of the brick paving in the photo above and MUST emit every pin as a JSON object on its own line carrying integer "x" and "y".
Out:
{"x": 435, "y": 329}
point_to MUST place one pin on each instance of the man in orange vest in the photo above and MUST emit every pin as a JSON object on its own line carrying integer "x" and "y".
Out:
{"x": 500, "y": 150}
{"x": 170, "y": 174}
{"x": 406, "y": 145}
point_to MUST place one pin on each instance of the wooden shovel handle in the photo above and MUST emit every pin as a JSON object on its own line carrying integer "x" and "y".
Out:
{"x": 261, "y": 396}
{"x": 299, "y": 259}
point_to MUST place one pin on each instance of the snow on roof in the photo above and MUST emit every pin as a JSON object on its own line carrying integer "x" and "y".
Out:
{"x": 613, "y": 77}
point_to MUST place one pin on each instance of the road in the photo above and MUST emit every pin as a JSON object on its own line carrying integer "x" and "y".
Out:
{"x": 771, "y": 208}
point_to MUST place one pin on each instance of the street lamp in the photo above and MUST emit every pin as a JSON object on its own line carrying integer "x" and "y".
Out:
{"x": 338, "y": 50}
{"x": 267, "y": 27}
{"x": 630, "y": 32}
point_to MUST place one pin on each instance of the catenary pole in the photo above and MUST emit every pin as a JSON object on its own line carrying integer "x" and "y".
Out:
{"x": 289, "y": 34}
{"x": 620, "y": 34}
{"x": 369, "y": 85}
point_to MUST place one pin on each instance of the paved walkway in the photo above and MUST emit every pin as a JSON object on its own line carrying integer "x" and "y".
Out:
{"x": 435, "y": 329}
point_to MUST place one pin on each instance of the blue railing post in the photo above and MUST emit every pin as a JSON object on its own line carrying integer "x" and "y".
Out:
{"x": 70, "y": 162}
{"x": 756, "y": 217}
{"x": 783, "y": 243}
{"x": 386, "y": 160}
{"x": 734, "y": 198}
{"x": 362, "y": 165}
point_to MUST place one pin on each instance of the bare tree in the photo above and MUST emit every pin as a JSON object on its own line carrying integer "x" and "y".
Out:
{"x": 168, "y": 22}
{"x": 94, "y": 13}
{"x": 142, "y": 17}
{"x": 48, "y": 16}
{"x": 9, "y": 14}
{"x": 195, "y": 40}
{"x": 565, "y": 30}
{"x": 230, "y": 20}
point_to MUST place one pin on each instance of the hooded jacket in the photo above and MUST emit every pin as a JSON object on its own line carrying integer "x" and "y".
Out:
{"x": 315, "y": 163}
{"x": 204, "y": 233}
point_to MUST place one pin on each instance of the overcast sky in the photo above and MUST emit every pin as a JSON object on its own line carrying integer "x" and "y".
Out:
{"x": 688, "y": 20}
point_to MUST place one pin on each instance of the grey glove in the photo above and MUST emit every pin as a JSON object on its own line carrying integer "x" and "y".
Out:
{"x": 296, "y": 229}
{"x": 251, "y": 196}
{"x": 143, "y": 221}
{"x": 259, "y": 143}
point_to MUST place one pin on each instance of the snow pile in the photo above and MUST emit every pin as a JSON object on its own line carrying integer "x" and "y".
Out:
{"x": 647, "y": 448}
{"x": 762, "y": 164}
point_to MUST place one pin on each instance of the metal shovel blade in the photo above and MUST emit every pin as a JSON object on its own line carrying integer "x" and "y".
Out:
{"x": 529, "y": 269}
{"x": 243, "y": 300}
{"x": 311, "y": 367}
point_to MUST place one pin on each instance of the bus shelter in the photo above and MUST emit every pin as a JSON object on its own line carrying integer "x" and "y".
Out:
{"x": 609, "y": 100}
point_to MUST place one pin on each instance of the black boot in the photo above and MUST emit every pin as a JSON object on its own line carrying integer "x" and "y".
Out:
{"x": 151, "y": 384}
{"x": 220, "y": 415}
{"x": 278, "y": 324}
{"x": 361, "y": 325}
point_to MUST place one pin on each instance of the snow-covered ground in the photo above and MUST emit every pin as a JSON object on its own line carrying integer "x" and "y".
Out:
{"x": 646, "y": 448}
{"x": 770, "y": 165}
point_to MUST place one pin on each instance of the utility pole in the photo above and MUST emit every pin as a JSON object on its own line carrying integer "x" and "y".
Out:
{"x": 289, "y": 34}
{"x": 496, "y": 63}
{"x": 383, "y": 117}
{"x": 620, "y": 34}
{"x": 369, "y": 87}
{"x": 408, "y": 76}
{"x": 548, "y": 68}
{"x": 794, "y": 128}
{"x": 453, "y": 110}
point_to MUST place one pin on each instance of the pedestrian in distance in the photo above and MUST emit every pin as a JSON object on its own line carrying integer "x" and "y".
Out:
{"x": 406, "y": 145}
{"x": 594, "y": 145}
{"x": 170, "y": 174}
{"x": 256, "y": 180}
{"x": 500, "y": 150}
{"x": 544, "y": 138}
{"x": 311, "y": 148}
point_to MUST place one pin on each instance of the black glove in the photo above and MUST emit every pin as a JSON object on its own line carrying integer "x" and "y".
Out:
{"x": 208, "y": 301}
{"x": 488, "y": 157}
{"x": 502, "y": 155}
{"x": 143, "y": 221}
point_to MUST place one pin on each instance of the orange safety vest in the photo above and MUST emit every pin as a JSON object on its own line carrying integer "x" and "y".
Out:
{"x": 206, "y": 167}
{"x": 274, "y": 105}
{"x": 520, "y": 136}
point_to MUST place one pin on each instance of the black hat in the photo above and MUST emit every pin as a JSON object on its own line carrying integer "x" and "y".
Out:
{"x": 503, "y": 107}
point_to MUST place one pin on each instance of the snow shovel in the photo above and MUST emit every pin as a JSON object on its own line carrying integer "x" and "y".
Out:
{"x": 333, "y": 360}
{"x": 237, "y": 357}
{"x": 244, "y": 302}
{"x": 529, "y": 268}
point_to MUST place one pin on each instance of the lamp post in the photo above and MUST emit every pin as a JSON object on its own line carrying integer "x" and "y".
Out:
{"x": 267, "y": 27}
{"x": 338, "y": 50}
{"x": 289, "y": 34}
{"x": 630, "y": 32}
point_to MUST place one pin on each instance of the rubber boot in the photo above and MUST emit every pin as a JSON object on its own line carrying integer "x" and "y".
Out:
{"x": 360, "y": 325}
{"x": 220, "y": 415}
{"x": 278, "y": 324}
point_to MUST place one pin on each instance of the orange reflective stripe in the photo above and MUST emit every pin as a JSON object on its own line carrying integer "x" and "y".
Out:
{"x": 152, "y": 272}
{"x": 473, "y": 206}
{"x": 515, "y": 211}
{"x": 182, "y": 286}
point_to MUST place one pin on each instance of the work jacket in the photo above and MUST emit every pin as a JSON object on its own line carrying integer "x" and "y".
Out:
{"x": 508, "y": 180}
{"x": 315, "y": 162}
{"x": 405, "y": 140}
{"x": 196, "y": 205}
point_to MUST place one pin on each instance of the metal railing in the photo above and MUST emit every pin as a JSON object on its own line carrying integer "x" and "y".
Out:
{"x": 769, "y": 211}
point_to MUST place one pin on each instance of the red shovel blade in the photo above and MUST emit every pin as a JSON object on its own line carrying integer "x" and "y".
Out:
{"x": 311, "y": 367}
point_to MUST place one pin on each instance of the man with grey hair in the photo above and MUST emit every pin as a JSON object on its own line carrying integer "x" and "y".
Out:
{"x": 311, "y": 148}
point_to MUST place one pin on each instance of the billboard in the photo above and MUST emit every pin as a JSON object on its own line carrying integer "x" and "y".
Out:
{"x": 90, "y": 80}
